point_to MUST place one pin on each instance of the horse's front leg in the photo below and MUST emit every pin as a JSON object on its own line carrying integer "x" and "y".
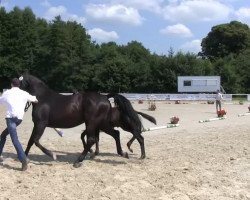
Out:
{"x": 37, "y": 133}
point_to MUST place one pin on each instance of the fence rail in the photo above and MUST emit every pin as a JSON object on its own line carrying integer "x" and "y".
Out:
{"x": 184, "y": 97}
{"x": 174, "y": 97}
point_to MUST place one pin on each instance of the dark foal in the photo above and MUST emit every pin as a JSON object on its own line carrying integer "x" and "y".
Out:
{"x": 67, "y": 111}
{"x": 124, "y": 116}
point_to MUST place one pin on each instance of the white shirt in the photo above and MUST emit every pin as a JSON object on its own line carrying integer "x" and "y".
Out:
{"x": 15, "y": 100}
{"x": 218, "y": 97}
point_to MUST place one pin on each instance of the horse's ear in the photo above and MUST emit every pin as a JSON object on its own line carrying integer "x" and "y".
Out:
{"x": 18, "y": 73}
{"x": 26, "y": 72}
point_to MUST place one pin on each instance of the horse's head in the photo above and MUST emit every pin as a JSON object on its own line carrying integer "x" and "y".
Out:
{"x": 30, "y": 83}
{"x": 24, "y": 84}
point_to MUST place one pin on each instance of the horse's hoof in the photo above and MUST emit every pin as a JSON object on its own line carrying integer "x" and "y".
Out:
{"x": 131, "y": 150}
{"x": 54, "y": 156}
{"x": 97, "y": 153}
{"x": 77, "y": 164}
{"x": 143, "y": 157}
{"x": 125, "y": 155}
{"x": 92, "y": 156}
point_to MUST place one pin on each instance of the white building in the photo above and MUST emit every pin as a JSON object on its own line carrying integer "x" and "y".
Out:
{"x": 198, "y": 84}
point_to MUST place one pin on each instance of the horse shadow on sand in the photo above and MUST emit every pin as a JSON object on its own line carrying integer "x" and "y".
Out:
{"x": 65, "y": 157}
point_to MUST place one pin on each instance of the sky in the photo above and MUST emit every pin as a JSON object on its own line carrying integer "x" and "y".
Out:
{"x": 160, "y": 25}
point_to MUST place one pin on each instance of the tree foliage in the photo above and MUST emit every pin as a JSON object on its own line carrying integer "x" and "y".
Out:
{"x": 225, "y": 39}
{"x": 62, "y": 54}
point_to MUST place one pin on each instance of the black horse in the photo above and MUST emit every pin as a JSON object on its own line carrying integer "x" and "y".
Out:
{"x": 67, "y": 111}
{"x": 123, "y": 115}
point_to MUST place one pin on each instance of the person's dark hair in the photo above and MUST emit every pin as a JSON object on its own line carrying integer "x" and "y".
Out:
{"x": 15, "y": 82}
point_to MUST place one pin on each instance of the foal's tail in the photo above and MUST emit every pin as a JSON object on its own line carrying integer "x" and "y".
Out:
{"x": 126, "y": 109}
{"x": 148, "y": 117}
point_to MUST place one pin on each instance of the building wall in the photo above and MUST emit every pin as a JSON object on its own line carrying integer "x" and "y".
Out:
{"x": 198, "y": 84}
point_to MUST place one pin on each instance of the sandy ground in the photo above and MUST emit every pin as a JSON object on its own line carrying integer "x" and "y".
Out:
{"x": 197, "y": 161}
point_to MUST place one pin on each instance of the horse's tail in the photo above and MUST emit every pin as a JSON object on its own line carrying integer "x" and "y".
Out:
{"x": 148, "y": 117}
{"x": 126, "y": 108}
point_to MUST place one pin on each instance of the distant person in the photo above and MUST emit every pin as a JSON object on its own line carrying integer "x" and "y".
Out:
{"x": 15, "y": 100}
{"x": 218, "y": 99}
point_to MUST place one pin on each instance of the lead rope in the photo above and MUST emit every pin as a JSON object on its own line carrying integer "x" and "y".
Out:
{"x": 28, "y": 104}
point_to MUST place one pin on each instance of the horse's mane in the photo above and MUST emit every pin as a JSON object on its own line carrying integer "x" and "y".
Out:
{"x": 33, "y": 78}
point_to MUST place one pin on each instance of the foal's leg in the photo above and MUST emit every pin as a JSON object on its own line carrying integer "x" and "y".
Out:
{"x": 136, "y": 135}
{"x": 116, "y": 135}
{"x": 97, "y": 143}
{"x": 97, "y": 151}
{"x": 90, "y": 131}
{"x": 130, "y": 143}
{"x": 83, "y": 141}
{"x": 97, "y": 138}
{"x": 140, "y": 139}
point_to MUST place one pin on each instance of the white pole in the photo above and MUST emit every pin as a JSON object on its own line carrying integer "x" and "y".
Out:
{"x": 59, "y": 131}
{"x": 160, "y": 127}
{"x": 212, "y": 119}
{"x": 245, "y": 114}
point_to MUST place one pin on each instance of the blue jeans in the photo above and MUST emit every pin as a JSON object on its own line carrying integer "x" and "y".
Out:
{"x": 218, "y": 104}
{"x": 12, "y": 123}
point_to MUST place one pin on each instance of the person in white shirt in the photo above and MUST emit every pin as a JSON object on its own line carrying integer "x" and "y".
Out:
{"x": 15, "y": 100}
{"x": 218, "y": 99}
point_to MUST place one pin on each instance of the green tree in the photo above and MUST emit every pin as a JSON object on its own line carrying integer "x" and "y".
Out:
{"x": 224, "y": 39}
{"x": 3, "y": 42}
{"x": 70, "y": 50}
{"x": 18, "y": 43}
{"x": 138, "y": 66}
{"x": 242, "y": 68}
{"x": 110, "y": 72}
{"x": 164, "y": 77}
{"x": 223, "y": 67}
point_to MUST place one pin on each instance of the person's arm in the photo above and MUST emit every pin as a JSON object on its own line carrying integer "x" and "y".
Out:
{"x": 31, "y": 98}
{"x": 2, "y": 98}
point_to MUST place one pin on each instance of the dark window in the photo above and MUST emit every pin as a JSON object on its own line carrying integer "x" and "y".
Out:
{"x": 187, "y": 83}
